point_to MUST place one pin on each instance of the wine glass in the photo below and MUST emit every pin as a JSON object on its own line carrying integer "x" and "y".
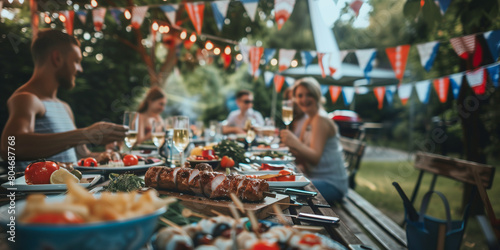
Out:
{"x": 181, "y": 135}
{"x": 287, "y": 112}
{"x": 250, "y": 136}
{"x": 157, "y": 134}
{"x": 131, "y": 120}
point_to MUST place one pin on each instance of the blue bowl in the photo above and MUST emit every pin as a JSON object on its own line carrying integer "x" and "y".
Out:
{"x": 132, "y": 233}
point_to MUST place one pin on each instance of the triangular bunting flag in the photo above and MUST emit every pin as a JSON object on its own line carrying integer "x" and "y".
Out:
{"x": 389, "y": 94}
{"x": 398, "y": 57}
{"x": 493, "y": 71}
{"x": 334, "y": 93}
{"x": 268, "y": 78}
{"x": 98, "y": 15}
{"x": 348, "y": 95}
{"x": 443, "y": 5}
{"x": 423, "y": 90}
{"x": 116, "y": 13}
{"x": 289, "y": 81}
{"x": 278, "y": 82}
{"x": 428, "y": 52}
{"x": 333, "y": 63}
{"x": 404, "y": 92}
{"x": 269, "y": 54}
{"x": 227, "y": 59}
{"x": 493, "y": 40}
{"x": 365, "y": 59}
{"x": 245, "y": 50}
{"x": 464, "y": 46}
{"x": 170, "y": 11}
{"x": 282, "y": 11}
{"x": 285, "y": 58}
{"x": 355, "y": 6}
{"x": 324, "y": 89}
{"x": 82, "y": 15}
{"x": 456, "y": 83}
{"x": 477, "y": 81}
{"x": 138, "y": 14}
{"x": 441, "y": 86}
{"x": 255, "y": 54}
{"x": 68, "y": 23}
{"x": 320, "y": 62}
{"x": 250, "y": 7}
{"x": 379, "y": 94}
{"x": 361, "y": 90}
{"x": 195, "y": 11}
{"x": 220, "y": 11}
{"x": 307, "y": 57}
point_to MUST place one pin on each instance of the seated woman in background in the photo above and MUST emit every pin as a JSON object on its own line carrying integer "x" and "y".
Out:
{"x": 317, "y": 149}
{"x": 149, "y": 113}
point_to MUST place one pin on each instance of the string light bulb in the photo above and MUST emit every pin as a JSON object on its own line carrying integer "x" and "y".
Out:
{"x": 164, "y": 29}
{"x": 294, "y": 63}
{"x": 239, "y": 57}
{"x": 62, "y": 18}
{"x": 155, "y": 26}
{"x": 192, "y": 38}
{"x": 47, "y": 19}
{"x": 227, "y": 50}
{"x": 217, "y": 51}
{"x": 183, "y": 35}
{"x": 209, "y": 45}
{"x": 127, "y": 14}
{"x": 93, "y": 3}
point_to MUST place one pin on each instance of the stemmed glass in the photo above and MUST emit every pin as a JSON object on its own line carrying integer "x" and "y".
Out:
{"x": 131, "y": 119}
{"x": 250, "y": 136}
{"x": 157, "y": 134}
{"x": 287, "y": 112}
{"x": 181, "y": 135}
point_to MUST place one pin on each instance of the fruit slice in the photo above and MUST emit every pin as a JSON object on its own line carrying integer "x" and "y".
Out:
{"x": 60, "y": 176}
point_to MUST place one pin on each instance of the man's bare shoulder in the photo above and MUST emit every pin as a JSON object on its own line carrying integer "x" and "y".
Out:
{"x": 27, "y": 100}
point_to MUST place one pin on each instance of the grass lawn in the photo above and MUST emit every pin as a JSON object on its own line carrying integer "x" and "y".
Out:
{"x": 374, "y": 183}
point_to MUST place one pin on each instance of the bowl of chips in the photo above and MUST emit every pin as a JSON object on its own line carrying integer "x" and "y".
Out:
{"x": 80, "y": 220}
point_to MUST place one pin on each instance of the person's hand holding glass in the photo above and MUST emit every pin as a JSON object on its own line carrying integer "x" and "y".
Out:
{"x": 287, "y": 112}
{"x": 181, "y": 135}
{"x": 131, "y": 120}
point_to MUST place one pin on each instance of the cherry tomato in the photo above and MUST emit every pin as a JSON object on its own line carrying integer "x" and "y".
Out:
{"x": 209, "y": 157}
{"x": 130, "y": 160}
{"x": 227, "y": 162}
{"x": 266, "y": 166}
{"x": 200, "y": 158}
{"x": 265, "y": 245}
{"x": 310, "y": 240}
{"x": 286, "y": 178}
{"x": 90, "y": 162}
{"x": 39, "y": 172}
{"x": 57, "y": 218}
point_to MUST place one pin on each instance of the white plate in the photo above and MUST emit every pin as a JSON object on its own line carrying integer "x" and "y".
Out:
{"x": 22, "y": 186}
{"x": 280, "y": 149}
{"x": 107, "y": 170}
{"x": 285, "y": 160}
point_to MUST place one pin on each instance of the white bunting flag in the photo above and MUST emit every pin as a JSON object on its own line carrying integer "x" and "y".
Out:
{"x": 423, "y": 90}
{"x": 464, "y": 46}
{"x": 250, "y": 7}
{"x": 348, "y": 95}
{"x": 98, "y": 15}
{"x": 361, "y": 90}
{"x": 289, "y": 81}
{"x": 477, "y": 80}
{"x": 138, "y": 14}
{"x": 268, "y": 78}
{"x": 365, "y": 59}
{"x": 428, "y": 52}
{"x": 282, "y": 11}
{"x": 285, "y": 58}
{"x": 404, "y": 92}
{"x": 170, "y": 11}
{"x": 245, "y": 51}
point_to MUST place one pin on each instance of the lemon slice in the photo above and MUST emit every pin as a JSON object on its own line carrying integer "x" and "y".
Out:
{"x": 59, "y": 176}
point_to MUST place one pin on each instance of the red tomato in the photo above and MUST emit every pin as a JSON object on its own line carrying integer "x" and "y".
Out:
{"x": 199, "y": 158}
{"x": 130, "y": 160}
{"x": 310, "y": 240}
{"x": 90, "y": 162}
{"x": 226, "y": 162}
{"x": 286, "y": 178}
{"x": 266, "y": 166}
{"x": 81, "y": 162}
{"x": 57, "y": 218}
{"x": 39, "y": 172}
{"x": 265, "y": 245}
{"x": 209, "y": 157}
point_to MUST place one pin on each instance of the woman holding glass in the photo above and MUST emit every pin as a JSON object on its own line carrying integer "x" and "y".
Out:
{"x": 317, "y": 150}
{"x": 150, "y": 123}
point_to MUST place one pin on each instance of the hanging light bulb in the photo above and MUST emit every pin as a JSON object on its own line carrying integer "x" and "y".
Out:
{"x": 239, "y": 57}
{"x": 294, "y": 63}
{"x": 155, "y": 26}
{"x": 164, "y": 29}
{"x": 227, "y": 50}
{"x": 274, "y": 62}
{"x": 47, "y": 19}
{"x": 217, "y": 51}
{"x": 192, "y": 38}
{"x": 127, "y": 14}
{"x": 93, "y": 3}
{"x": 62, "y": 18}
{"x": 209, "y": 45}
{"x": 183, "y": 35}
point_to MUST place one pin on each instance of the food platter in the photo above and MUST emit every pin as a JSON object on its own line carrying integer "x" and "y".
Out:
{"x": 109, "y": 169}
{"x": 300, "y": 181}
{"x": 22, "y": 186}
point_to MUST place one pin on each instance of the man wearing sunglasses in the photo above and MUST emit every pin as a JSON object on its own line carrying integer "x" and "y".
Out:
{"x": 237, "y": 118}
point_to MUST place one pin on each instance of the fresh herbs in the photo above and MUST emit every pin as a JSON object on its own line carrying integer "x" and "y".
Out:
{"x": 270, "y": 153}
{"x": 124, "y": 182}
{"x": 174, "y": 214}
{"x": 231, "y": 149}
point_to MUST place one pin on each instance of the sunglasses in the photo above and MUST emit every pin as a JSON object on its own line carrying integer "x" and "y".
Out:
{"x": 247, "y": 101}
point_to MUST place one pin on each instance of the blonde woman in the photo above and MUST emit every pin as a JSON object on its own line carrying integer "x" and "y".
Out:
{"x": 317, "y": 149}
{"x": 149, "y": 112}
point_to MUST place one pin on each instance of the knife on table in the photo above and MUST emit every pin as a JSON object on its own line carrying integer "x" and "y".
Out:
{"x": 293, "y": 191}
{"x": 314, "y": 218}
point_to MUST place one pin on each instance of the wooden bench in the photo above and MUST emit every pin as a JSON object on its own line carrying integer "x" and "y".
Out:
{"x": 353, "y": 153}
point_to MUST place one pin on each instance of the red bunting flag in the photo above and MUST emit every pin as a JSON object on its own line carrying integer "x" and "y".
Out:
{"x": 379, "y": 94}
{"x": 227, "y": 60}
{"x": 335, "y": 92}
{"x": 138, "y": 14}
{"x": 404, "y": 92}
{"x": 285, "y": 58}
{"x": 464, "y": 46}
{"x": 195, "y": 12}
{"x": 278, "y": 82}
{"x": 398, "y": 57}
{"x": 98, "y": 15}
{"x": 477, "y": 81}
{"x": 355, "y": 6}
{"x": 255, "y": 54}
{"x": 68, "y": 22}
{"x": 441, "y": 86}
{"x": 320, "y": 62}
{"x": 283, "y": 9}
